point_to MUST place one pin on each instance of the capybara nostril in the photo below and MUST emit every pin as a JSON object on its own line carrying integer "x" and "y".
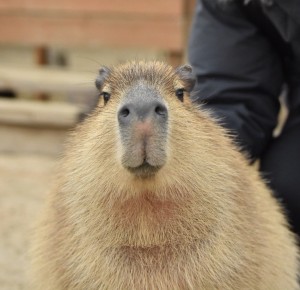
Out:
{"x": 124, "y": 114}
{"x": 161, "y": 110}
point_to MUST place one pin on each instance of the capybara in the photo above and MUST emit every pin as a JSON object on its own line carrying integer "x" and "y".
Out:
{"x": 153, "y": 194}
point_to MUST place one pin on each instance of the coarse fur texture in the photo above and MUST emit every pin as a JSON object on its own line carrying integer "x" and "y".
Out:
{"x": 204, "y": 220}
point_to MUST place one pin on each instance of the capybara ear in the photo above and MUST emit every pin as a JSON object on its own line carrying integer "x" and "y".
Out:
{"x": 102, "y": 76}
{"x": 185, "y": 73}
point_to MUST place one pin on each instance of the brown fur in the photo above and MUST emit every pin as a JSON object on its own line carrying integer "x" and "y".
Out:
{"x": 206, "y": 220}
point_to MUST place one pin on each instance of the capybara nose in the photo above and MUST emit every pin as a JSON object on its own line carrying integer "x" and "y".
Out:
{"x": 140, "y": 111}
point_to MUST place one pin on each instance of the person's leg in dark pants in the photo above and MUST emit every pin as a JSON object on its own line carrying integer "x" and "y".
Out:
{"x": 280, "y": 162}
{"x": 280, "y": 165}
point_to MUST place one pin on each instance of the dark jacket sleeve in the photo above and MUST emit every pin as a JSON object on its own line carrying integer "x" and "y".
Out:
{"x": 239, "y": 73}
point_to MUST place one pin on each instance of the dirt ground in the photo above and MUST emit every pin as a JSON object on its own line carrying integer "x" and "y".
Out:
{"x": 24, "y": 182}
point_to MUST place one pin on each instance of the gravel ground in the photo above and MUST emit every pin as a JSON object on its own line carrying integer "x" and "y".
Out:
{"x": 24, "y": 182}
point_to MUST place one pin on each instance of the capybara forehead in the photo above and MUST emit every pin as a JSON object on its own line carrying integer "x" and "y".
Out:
{"x": 156, "y": 74}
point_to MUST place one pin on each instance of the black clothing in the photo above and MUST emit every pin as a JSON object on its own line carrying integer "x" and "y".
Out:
{"x": 242, "y": 56}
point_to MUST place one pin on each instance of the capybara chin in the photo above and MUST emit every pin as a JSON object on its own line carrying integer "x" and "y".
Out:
{"x": 152, "y": 194}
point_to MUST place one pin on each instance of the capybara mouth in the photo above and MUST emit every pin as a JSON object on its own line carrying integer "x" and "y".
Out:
{"x": 144, "y": 170}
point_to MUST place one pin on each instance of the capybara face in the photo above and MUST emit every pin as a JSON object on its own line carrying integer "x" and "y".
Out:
{"x": 140, "y": 98}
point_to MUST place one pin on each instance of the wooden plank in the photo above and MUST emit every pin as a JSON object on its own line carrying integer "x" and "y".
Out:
{"x": 25, "y": 140}
{"x": 157, "y": 7}
{"x": 155, "y": 33}
{"x": 36, "y": 80}
{"x": 38, "y": 114}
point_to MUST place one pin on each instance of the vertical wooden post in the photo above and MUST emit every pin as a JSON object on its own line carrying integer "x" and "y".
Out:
{"x": 41, "y": 59}
{"x": 41, "y": 55}
{"x": 189, "y": 9}
{"x": 175, "y": 58}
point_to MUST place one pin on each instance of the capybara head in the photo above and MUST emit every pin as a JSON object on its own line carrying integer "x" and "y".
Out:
{"x": 146, "y": 135}
{"x": 141, "y": 97}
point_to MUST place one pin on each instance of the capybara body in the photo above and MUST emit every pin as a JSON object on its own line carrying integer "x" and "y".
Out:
{"x": 152, "y": 194}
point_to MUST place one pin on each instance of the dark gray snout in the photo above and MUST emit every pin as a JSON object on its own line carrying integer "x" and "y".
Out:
{"x": 143, "y": 126}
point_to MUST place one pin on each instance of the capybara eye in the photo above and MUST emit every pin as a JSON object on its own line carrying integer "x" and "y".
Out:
{"x": 180, "y": 94}
{"x": 106, "y": 97}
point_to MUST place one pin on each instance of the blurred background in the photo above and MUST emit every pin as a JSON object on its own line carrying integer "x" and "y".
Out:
{"x": 50, "y": 53}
